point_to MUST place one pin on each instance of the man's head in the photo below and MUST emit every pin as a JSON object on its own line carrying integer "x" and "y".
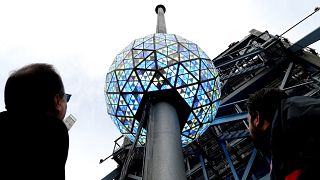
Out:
{"x": 36, "y": 88}
{"x": 262, "y": 107}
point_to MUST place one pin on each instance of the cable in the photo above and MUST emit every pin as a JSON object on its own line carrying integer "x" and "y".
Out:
{"x": 315, "y": 10}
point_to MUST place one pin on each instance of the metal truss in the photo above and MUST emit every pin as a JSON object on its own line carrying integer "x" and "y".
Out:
{"x": 259, "y": 60}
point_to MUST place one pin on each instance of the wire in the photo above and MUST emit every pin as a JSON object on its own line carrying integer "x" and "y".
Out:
{"x": 315, "y": 10}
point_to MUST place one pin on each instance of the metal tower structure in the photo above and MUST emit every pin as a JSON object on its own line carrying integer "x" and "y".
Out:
{"x": 225, "y": 150}
{"x": 257, "y": 61}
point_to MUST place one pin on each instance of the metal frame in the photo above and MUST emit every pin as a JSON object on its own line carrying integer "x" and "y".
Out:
{"x": 277, "y": 62}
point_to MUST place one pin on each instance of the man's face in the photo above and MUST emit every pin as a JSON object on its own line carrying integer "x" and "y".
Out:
{"x": 63, "y": 109}
{"x": 61, "y": 106}
{"x": 260, "y": 136}
{"x": 254, "y": 131}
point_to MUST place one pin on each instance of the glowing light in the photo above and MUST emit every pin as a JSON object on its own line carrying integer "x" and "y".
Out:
{"x": 160, "y": 62}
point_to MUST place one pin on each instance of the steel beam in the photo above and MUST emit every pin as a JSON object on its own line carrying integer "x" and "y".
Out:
{"x": 252, "y": 84}
{"x": 285, "y": 78}
{"x": 247, "y": 55}
{"x": 226, "y": 153}
{"x": 234, "y": 135}
{"x": 232, "y": 103}
{"x": 298, "y": 85}
{"x": 229, "y": 118}
{"x": 249, "y": 165}
{"x": 116, "y": 172}
{"x": 312, "y": 92}
{"x": 310, "y": 58}
{"x": 246, "y": 70}
{"x": 309, "y": 39}
{"x": 204, "y": 170}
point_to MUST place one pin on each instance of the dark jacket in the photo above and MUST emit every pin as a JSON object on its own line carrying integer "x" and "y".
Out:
{"x": 33, "y": 147}
{"x": 295, "y": 138}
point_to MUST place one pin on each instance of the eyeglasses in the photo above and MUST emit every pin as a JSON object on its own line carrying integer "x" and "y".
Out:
{"x": 67, "y": 97}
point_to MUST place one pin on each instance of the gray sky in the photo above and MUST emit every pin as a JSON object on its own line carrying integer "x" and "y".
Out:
{"x": 82, "y": 37}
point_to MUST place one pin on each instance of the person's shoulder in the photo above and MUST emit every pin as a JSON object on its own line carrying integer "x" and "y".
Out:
{"x": 301, "y": 98}
{"x": 3, "y": 115}
{"x": 3, "y": 121}
{"x": 54, "y": 122}
{"x": 298, "y": 110}
{"x": 301, "y": 101}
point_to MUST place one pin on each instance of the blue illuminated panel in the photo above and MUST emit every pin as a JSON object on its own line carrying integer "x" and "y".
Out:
{"x": 159, "y": 62}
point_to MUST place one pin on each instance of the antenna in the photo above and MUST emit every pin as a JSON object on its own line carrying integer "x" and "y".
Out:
{"x": 161, "y": 24}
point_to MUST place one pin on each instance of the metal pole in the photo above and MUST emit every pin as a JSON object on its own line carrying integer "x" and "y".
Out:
{"x": 285, "y": 78}
{"x": 164, "y": 158}
{"x": 309, "y": 39}
{"x": 233, "y": 170}
{"x": 161, "y": 24}
{"x": 204, "y": 170}
{"x": 249, "y": 165}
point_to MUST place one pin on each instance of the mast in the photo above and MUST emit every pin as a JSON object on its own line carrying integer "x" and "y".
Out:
{"x": 161, "y": 23}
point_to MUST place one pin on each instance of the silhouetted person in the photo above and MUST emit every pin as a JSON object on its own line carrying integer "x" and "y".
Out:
{"x": 287, "y": 129}
{"x": 34, "y": 139}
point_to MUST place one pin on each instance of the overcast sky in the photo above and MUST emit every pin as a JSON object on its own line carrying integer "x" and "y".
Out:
{"x": 82, "y": 37}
